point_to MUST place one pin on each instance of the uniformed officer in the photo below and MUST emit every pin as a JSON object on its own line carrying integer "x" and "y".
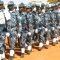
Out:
{"x": 3, "y": 20}
{"x": 54, "y": 30}
{"x": 8, "y": 34}
{"x": 46, "y": 26}
{"x": 57, "y": 12}
{"x": 40, "y": 28}
{"x": 58, "y": 16}
{"x": 22, "y": 27}
{"x": 11, "y": 27}
{"x": 35, "y": 22}
{"x": 30, "y": 27}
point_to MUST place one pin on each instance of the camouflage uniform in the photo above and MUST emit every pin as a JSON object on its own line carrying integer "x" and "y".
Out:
{"x": 22, "y": 28}
{"x": 11, "y": 27}
{"x": 47, "y": 20}
{"x": 40, "y": 30}
{"x": 3, "y": 20}
{"x": 30, "y": 28}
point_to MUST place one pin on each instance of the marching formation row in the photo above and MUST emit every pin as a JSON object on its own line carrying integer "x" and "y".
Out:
{"x": 31, "y": 22}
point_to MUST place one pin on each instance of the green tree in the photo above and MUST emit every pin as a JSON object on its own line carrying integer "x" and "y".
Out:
{"x": 53, "y": 1}
{"x": 58, "y": 0}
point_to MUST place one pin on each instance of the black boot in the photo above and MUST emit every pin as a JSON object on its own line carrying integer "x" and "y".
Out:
{"x": 22, "y": 55}
{"x": 3, "y": 59}
{"x": 40, "y": 48}
{"x": 11, "y": 58}
{"x": 46, "y": 46}
{"x": 28, "y": 52}
{"x": 54, "y": 43}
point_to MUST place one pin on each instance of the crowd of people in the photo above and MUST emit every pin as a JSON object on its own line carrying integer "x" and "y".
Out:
{"x": 32, "y": 22}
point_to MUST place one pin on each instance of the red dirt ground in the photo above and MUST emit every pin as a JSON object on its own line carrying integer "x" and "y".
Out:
{"x": 52, "y": 53}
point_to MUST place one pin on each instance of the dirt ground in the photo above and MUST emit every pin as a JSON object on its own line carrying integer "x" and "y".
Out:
{"x": 52, "y": 53}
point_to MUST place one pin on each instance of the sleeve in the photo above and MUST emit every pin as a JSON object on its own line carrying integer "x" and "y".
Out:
{"x": 7, "y": 15}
